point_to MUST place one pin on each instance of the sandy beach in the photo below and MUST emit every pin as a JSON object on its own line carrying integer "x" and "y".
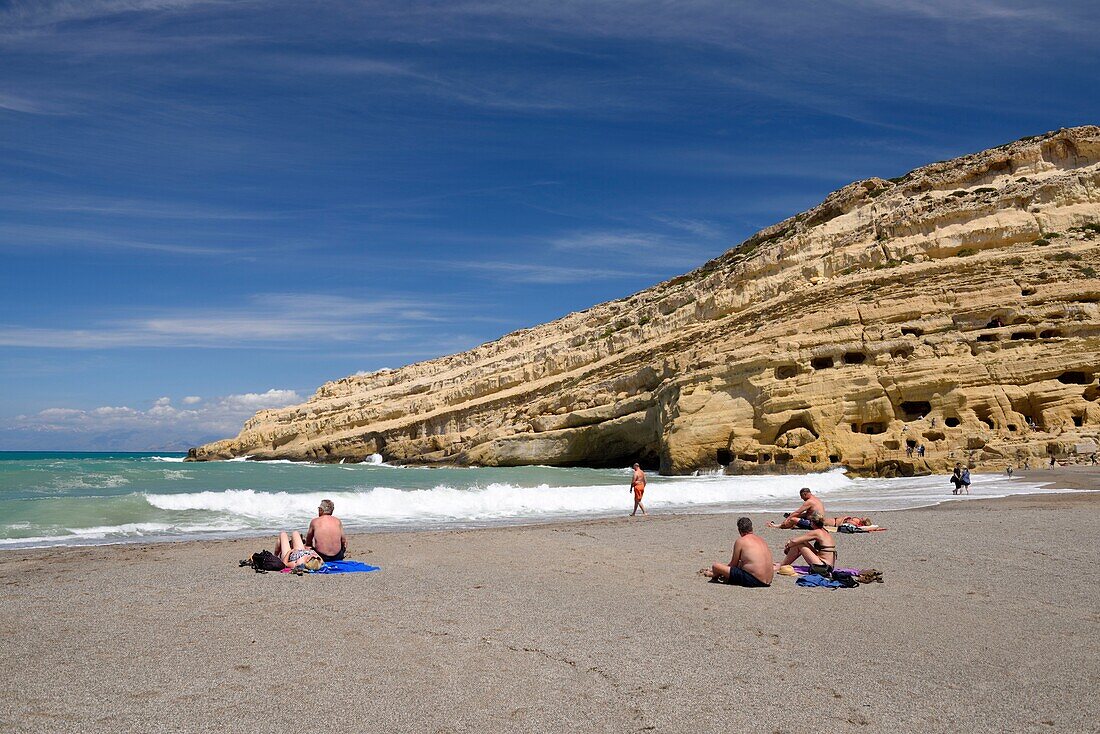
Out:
{"x": 987, "y": 621}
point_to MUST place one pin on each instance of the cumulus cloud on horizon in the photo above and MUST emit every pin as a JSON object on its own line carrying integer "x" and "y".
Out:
{"x": 162, "y": 425}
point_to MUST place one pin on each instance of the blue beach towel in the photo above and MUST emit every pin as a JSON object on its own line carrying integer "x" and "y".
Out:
{"x": 813, "y": 579}
{"x": 346, "y": 567}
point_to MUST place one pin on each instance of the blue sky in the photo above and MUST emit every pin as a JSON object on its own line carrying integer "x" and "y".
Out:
{"x": 211, "y": 207}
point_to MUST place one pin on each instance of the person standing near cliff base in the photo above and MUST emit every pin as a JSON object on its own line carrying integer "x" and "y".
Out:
{"x": 637, "y": 486}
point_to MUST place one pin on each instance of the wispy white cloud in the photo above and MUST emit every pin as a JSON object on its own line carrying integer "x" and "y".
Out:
{"x": 639, "y": 250}
{"x": 35, "y": 237}
{"x": 25, "y": 105}
{"x": 520, "y": 272}
{"x": 160, "y": 425}
{"x": 109, "y": 206}
{"x": 271, "y": 320}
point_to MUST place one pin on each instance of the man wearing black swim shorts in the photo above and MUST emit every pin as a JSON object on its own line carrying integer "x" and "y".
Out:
{"x": 751, "y": 566}
{"x": 326, "y": 534}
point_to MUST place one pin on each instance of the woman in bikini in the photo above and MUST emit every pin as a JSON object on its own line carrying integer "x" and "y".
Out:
{"x": 817, "y": 547}
{"x": 293, "y": 552}
{"x": 859, "y": 522}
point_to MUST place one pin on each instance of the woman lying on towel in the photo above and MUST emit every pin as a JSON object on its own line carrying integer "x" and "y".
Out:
{"x": 817, "y": 546}
{"x": 836, "y": 522}
{"x": 294, "y": 553}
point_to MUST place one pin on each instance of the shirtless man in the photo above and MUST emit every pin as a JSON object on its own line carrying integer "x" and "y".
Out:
{"x": 637, "y": 486}
{"x": 326, "y": 534}
{"x": 751, "y": 564}
{"x": 798, "y": 518}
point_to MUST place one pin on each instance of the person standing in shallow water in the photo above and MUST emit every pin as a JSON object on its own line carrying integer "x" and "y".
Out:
{"x": 637, "y": 486}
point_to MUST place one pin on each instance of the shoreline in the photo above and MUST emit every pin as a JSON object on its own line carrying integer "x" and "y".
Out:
{"x": 1061, "y": 479}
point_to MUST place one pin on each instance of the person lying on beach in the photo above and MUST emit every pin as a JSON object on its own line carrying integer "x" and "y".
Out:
{"x": 817, "y": 546}
{"x": 326, "y": 534}
{"x": 859, "y": 522}
{"x": 751, "y": 565}
{"x": 294, "y": 553}
{"x": 797, "y": 519}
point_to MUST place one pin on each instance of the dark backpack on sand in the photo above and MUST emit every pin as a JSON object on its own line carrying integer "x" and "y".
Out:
{"x": 265, "y": 561}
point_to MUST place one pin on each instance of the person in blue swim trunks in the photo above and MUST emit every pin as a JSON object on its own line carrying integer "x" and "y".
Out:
{"x": 800, "y": 517}
{"x": 751, "y": 566}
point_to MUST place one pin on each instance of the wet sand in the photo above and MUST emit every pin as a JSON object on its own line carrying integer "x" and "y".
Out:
{"x": 988, "y": 621}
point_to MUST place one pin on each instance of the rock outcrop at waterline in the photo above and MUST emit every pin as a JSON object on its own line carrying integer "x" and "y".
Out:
{"x": 956, "y": 307}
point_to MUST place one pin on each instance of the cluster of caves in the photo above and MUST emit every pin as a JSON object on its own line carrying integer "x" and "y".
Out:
{"x": 1021, "y": 328}
{"x": 910, "y": 411}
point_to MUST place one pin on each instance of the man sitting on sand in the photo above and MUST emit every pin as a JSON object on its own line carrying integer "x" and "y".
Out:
{"x": 637, "y": 485}
{"x": 751, "y": 564}
{"x": 797, "y": 519}
{"x": 326, "y": 533}
{"x": 817, "y": 546}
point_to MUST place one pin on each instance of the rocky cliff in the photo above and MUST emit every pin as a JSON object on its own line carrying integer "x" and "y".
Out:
{"x": 956, "y": 307}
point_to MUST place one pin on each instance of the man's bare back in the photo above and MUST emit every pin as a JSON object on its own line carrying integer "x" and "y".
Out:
{"x": 326, "y": 532}
{"x": 756, "y": 557}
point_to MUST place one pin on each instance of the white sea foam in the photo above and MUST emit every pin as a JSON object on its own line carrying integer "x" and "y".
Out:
{"x": 502, "y": 501}
{"x": 125, "y": 532}
{"x": 172, "y": 474}
{"x": 91, "y": 481}
{"x": 169, "y": 459}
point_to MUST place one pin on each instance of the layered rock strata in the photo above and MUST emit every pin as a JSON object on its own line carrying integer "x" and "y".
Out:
{"x": 956, "y": 308}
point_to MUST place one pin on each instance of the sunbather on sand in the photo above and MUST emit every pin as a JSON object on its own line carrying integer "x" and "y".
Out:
{"x": 751, "y": 564}
{"x": 797, "y": 519}
{"x": 817, "y": 546}
{"x": 293, "y": 552}
{"x": 836, "y": 522}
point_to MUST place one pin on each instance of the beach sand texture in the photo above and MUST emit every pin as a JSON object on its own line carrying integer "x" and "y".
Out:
{"x": 988, "y": 621}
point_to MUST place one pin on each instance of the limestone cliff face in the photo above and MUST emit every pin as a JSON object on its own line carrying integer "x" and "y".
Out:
{"x": 835, "y": 337}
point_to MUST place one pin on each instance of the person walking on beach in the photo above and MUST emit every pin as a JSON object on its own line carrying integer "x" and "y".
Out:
{"x": 326, "y": 533}
{"x": 956, "y": 478}
{"x": 798, "y": 518}
{"x": 752, "y": 564}
{"x": 637, "y": 486}
{"x": 965, "y": 481}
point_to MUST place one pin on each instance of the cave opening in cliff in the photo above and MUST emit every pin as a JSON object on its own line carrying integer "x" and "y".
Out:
{"x": 912, "y": 331}
{"x": 834, "y": 458}
{"x": 786, "y": 371}
{"x": 1050, "y": 334}
{"x": 1078, "y": 420}
{"x": 1022, "y": 335}
{"x": 915, "y": 409}
{"x": 723, "y": 456}
{"x": 951, "y": 422}
{"x": 873, "y": 428}
{"x": 901, "y": 353}
{"x": 988, "y": 337}
{"x": 1074, "y": 377}
{"x": 821, "y": 363}
{"x": 854, "y": 358}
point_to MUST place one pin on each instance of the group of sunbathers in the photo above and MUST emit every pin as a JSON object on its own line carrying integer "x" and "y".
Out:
{"x": 752, "y": 564}
{"x": 325, "y": 541}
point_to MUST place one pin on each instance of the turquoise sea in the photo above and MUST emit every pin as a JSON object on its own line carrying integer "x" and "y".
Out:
{"x": 86, "y": 498}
